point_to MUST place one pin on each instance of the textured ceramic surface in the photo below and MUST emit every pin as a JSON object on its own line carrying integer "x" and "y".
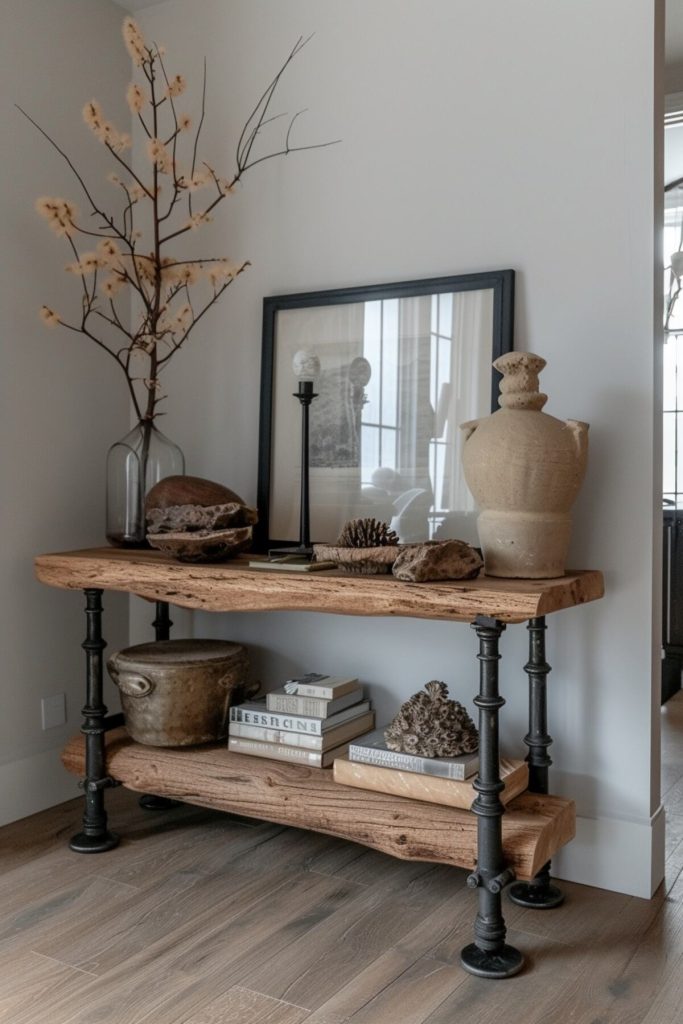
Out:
{"x": 177, "y": 693}
{"x": 524, "y": 469}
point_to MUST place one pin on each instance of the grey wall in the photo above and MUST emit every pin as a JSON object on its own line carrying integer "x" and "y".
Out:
{"x": 60, "y": 405}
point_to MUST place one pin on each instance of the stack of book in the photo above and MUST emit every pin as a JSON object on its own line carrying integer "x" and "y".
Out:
{"x": 440, "y": 780}
{"x": 311, "y": 726}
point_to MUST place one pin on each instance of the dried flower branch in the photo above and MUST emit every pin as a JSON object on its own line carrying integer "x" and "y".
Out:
{"x": 171, "y": 294}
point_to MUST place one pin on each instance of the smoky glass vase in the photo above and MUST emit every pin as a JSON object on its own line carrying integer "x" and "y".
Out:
{"x": 134, "y": 464}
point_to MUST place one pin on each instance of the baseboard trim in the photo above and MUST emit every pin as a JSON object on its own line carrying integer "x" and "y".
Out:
{"x": 33, "y": 784}
{"x": 610, "y": 853}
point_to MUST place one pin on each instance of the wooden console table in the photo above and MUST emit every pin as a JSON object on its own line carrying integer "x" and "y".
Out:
{"x": 495, "y": 844}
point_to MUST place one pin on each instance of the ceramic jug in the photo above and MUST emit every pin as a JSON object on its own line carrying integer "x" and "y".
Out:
{"x": 524, "y": 469}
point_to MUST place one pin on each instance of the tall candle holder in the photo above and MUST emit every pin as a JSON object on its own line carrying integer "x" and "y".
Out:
{"x": 306, "y": 366}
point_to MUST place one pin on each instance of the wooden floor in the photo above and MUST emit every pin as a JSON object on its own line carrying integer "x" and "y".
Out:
{"x": 202, "y": 918}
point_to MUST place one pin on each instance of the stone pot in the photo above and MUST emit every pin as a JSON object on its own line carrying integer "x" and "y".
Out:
{"x": 524, "y": 469}
{"x": 176, "y": 693}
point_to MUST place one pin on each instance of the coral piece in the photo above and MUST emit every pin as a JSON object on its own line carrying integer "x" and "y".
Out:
{"x": 437, "y": 560}
{"x": 430, "y": 724}
{"x": 187, "y": 518}
{"x": 202, "y": 545}
{"x": 366, "y": 533}
{"x": 359, "y": 561}
{"x": 197, "y": 520}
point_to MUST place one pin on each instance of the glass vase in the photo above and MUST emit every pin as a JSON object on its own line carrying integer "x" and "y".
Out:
{"x": 134, "y": 464}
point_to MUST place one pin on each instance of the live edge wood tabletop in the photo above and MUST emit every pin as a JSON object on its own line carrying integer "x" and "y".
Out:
{"x": 496, "y": 844}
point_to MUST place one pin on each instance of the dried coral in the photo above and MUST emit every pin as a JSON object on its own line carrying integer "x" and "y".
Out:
{"x": 366, "y": 533}
{"x": 430, "y": 724}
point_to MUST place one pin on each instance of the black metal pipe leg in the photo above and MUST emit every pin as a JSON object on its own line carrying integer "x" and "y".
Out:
{"x": 162, "y": 622}
{"x": 162, "y": 631}
{"x": 489, "y": 956}
{"x": 95, "y": 837}
{"x": 539, "y": 893}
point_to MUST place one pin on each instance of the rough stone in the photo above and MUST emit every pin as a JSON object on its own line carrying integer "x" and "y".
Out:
{"x": 202, "y": 545}
{"x": 187, "y": 518}
{"x": 189, "y": 490}
{"x": 437, "y": 560}
{"x": 430, "y": 724}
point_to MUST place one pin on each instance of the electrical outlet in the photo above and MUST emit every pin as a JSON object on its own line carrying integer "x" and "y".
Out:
{"x": 53, "y": 710}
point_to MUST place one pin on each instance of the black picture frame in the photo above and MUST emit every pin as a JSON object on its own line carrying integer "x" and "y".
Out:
{"x": 500, "y": 282}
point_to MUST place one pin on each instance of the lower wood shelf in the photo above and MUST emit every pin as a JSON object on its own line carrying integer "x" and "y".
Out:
{"x": 534, "y": 826}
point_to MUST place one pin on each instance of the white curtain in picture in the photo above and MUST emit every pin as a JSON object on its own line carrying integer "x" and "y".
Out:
{"x": 468, "y": 397}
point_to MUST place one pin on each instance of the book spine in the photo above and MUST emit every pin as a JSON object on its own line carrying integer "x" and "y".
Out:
{"x": 275, "y": 750}
{"x": 290, "y": 705}
{"x": 411, "y": 763}
{"x": 274, "y": 720}
{"x": 264, "y": 735}
{"x": 323, "y": 692}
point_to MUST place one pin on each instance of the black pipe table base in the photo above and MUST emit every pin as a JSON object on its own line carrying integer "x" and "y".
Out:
{"x": 162, "y": 631}
{"x": 539, "y": 893}
{"x": 95, "y": 837}
{"x": 489, "y": 956}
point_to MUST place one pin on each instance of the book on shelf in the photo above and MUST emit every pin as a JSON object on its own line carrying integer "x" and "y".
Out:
{"x": 282, "y": 752}
{"x": 416, "y": 786}
{"x": 291, "y": 564}
{"x": 255, "y": 712}
{"x": 328, "y": 687}
{"x": 372, "y": 749}
{"x": 309, "y": 741}
{"x": 313, "y": 707}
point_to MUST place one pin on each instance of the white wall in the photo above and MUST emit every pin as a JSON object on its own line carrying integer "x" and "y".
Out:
{"x": 475, "y": 136}
{"x": 61, "y": 405}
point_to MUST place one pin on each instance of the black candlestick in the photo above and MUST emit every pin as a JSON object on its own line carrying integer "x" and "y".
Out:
{"x": 305, "y": 394}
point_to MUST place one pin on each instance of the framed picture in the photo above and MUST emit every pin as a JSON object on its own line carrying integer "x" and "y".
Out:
{"x": 401, "y": 367}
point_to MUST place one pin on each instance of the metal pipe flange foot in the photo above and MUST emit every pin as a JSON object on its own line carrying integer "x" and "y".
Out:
{"x": 503, "y": 962}
{"x": 534, "y": 896}
{"x": 100, "y": 843}
{"x": 149, "y": 802}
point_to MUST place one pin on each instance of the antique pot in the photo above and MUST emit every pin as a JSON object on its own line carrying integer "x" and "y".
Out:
{"x": 176, "y": 693}
{"x": 524, "y": 469}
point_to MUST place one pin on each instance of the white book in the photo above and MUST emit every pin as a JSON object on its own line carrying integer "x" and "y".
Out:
{"x": 372, "y": 749}
{"x": 256, "y": 713}
{"x": 342, "y": 734}
{"x": 328, "y": 689}
{"x": 314, "y": 707}
{"x": 280, "y": 752}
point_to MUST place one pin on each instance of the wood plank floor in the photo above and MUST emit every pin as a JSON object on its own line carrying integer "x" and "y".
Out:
{"x": 205, "y": 918}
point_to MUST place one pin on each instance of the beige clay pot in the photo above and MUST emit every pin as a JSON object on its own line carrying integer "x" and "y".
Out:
{"x": 524, "y": 469}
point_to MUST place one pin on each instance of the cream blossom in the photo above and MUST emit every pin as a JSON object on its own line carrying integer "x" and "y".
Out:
{"x": 220, "y": 271}
{"x": 113, "y": 284}
{"x": 59, "y": 213}
{"x": 102, "y": 129}
{"x": 159, "y": 155}
{"x": 197, "y": 219}
{"x": 176, "y": 86}
{"x": 135, "y": 43}
{"x": 49, "y": 317}
{"x": 135, "y": 98}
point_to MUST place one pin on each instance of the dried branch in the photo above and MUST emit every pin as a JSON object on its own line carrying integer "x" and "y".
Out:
{"x": 171, "y": 292}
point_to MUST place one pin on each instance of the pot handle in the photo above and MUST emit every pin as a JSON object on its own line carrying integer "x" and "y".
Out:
{"x": 469, "y": 428}
{"x": 132, "y": 684}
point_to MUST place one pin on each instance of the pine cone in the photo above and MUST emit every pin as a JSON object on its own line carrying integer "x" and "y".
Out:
{"x": 366, "y": 533}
